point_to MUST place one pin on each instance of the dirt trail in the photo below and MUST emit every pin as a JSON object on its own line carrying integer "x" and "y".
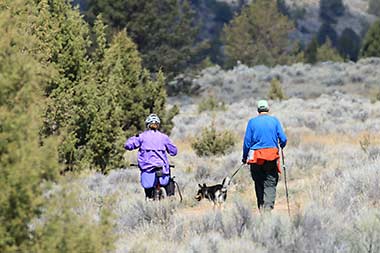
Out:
{"x": 298, "y": 197}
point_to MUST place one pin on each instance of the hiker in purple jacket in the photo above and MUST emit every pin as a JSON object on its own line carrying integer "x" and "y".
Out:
{"x": 152, "y": 159}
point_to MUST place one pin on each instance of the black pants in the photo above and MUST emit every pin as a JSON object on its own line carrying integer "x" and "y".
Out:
{"x": 266, "y": 178}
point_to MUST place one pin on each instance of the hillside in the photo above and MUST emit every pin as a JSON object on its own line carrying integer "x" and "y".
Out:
{"x": 308, "y": 21}
{"x": 75, "y": 85}
{"x": 331, "y": 159}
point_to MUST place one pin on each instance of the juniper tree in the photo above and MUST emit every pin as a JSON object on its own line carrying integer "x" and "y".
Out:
{"x": 327, "y": 32}
{"x": 371, "y": 42}
{"x": 96, "y": 96}
{"x": 65, "y": 38}
{"x": 259, "y": 35}
{"x": 24, "y": 163}
{"x": 326, "y": 52}
{"x": 275, "y": 90}
{"x": 29, "y": 163}
{"x": 311, "y": 51}
{"x": 165, "y": 31}
{"x": 349, "y": 44}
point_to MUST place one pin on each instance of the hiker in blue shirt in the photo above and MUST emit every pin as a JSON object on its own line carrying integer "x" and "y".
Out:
{"x": 263, "y": 136}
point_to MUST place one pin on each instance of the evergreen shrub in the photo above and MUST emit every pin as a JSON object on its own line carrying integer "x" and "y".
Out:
{"x": 276, "y": 91}
{"x": 211, "y": 142}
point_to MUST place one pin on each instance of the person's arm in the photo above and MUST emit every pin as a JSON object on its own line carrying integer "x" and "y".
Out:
{"x": 281, "y": 135}
{"x": 170, "y": 147}
{"x": 132, "y": 143}
{"x": 247, "y": 141}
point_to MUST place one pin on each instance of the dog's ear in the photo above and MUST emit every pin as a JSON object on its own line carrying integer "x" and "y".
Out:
{"x": 204, "y": 185}
{"x": 200, "y": 186}
{"x": 226, "y": 181}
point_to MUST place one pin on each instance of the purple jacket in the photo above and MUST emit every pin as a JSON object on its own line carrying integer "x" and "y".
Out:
{"x": 153, "y": 146}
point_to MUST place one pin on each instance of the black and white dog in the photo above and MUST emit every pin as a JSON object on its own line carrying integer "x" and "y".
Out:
{"x": 215, "y": 193}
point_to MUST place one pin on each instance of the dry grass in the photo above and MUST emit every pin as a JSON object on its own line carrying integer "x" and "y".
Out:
{"x": 337, "y": 139}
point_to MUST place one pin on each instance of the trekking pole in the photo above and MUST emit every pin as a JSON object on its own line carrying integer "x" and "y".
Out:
{"x": 286, "y": 184}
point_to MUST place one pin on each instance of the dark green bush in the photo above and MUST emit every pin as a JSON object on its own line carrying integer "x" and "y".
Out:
{"x": 371, "y": 42}
{"x": 327, "y": 32}
{"x": 311, "y": 52}
{"x": 275, "y": 91}
{"x": 349, "y": 44}
{"x": 326, "y": 52}
{"x": 212, "y": 142}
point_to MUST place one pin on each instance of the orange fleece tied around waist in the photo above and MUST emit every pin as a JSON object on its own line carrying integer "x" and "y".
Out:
{"x": 259, "y": 156}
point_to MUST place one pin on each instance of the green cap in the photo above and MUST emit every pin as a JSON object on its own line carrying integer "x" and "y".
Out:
{"x": 262, "y": 104}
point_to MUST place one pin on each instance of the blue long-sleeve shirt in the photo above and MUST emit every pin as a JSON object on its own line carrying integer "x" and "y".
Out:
{"x": 263, "y": 131}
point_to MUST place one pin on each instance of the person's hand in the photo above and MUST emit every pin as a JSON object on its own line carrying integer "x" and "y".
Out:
{"x": 244, "y": 160}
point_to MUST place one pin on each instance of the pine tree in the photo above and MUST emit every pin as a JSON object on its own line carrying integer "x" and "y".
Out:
{"x": 311, "y": 51}
{"x": 165, "y": 31}
{"x": 327, "y": 32}
{"x": 349, "y": 44}
{"x": 29, "y": 164}
{"x": 276, "y": 91}
{"x": 259, "y": 35}
{"x": 371, "y": 43}
{"x": 106, "y": 96}
{"x": 129, "y": 86}
{"x": 115, "y": 99}
{"x": 326, "y": 52}
{"x": 25, "y": 162}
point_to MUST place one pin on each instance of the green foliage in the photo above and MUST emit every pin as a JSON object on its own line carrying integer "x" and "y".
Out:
{"x": 106, "y": 97}
{"x": 295, "y": 12}
{"x": 212, "y": 142}
{"x": 311, "y": 52}
{"x": 64, "y": 37}
{"x": 211, "y": 104}
{"x": 374, "y": 7}
{"x": 330, "y": 9}
{"x": 65, "y": 230}
{"x": 59, "y": 103}
{"x": 25, "y": 162}
{"x": 371, "y": 43}
{"x": 327, "y": 32}
{"x": 327, "y": 53}
{"x": 159, "y": 28}
{"x": 275, "y": 91}
{"x": 259, "y": 35}
{"x": 99, "y": 31}
{"x": 349, "y": 44}
{"x": 315, "y": 53}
